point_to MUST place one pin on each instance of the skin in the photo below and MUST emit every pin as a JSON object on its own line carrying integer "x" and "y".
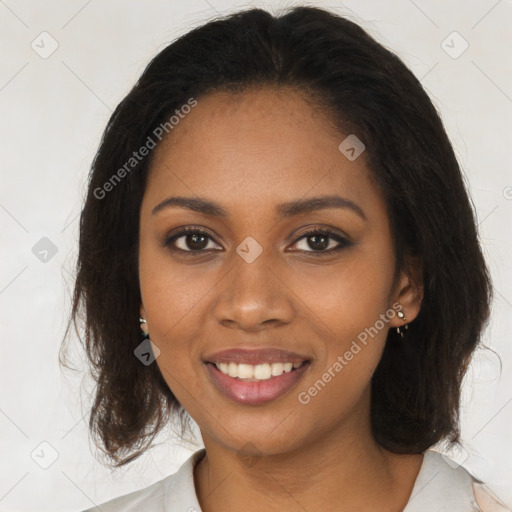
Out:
{"x": 250, "y": 152}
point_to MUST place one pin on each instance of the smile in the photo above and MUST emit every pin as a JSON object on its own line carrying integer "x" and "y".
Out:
{"x": 255, "y": 377}
{"x": 257, "y": 372}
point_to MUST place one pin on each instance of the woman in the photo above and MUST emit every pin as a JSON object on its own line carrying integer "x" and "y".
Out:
{"x": 277, "y": 240}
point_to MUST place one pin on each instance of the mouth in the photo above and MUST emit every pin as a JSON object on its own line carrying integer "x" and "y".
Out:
{"x": 257, "y": 376}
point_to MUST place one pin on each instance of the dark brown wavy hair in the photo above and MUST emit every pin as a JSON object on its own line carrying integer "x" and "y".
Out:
{"x": 366, "y": 90}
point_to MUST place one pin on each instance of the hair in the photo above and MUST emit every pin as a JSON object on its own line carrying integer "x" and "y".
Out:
{"x": 366, "y": 90}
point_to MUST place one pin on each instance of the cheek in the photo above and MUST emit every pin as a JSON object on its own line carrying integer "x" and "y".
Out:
{"x": 172, "y": 296}
{"x": 350, "y": 304}
{"x": 171, "y": 293}
{"x": 348, "y": 297}
{"x": 353, "y": 341}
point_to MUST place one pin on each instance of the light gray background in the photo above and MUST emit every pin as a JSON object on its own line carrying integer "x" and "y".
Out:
{"x": 52, "y": 113}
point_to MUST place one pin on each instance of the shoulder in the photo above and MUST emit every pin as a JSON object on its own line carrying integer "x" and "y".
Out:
{"x": 171, "y": 493}
{"x": 442, "y": 485}
{"x": 487, "y": 500}
{"x": 149, "y": 499}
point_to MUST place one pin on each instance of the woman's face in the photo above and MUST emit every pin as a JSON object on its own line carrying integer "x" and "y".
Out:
{"x": 264, "y": 275}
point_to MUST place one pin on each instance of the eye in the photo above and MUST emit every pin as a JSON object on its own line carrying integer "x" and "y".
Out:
{"x": 320, "y": 241}
{"x": 194, "y": 240}
{"x": 189, "y": 240}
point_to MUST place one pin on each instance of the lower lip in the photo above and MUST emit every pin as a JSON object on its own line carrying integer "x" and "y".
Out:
{"x": 255, "y": 393}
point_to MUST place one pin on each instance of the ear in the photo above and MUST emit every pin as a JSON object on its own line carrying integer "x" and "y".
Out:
{"x": 408, "y": 293}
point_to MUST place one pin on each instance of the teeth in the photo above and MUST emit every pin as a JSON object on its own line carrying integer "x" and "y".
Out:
{"x": 262, "y": 371}
{"x": 276, "y": 369}
{"x": 256, "y": 372}
{"x": 245, "y": 371}
{"x": 233, "y": 370}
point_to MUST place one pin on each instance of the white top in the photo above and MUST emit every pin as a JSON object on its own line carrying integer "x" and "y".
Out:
{"x": 441, "y": 486}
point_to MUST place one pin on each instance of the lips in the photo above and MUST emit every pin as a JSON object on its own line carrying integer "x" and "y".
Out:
{"x": 256, "y": 391}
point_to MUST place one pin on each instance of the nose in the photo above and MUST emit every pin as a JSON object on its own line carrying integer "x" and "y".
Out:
{"x": 254, "y": 297}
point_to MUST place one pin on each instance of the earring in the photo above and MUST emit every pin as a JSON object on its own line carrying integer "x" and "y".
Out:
{"x": 144, "y": 326}
{"x": 405, "y": 327}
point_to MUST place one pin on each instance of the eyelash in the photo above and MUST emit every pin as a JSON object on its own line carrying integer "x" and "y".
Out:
{"x": 343, "y": 242}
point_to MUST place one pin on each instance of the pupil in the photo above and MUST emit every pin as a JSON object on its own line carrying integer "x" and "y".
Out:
{"x": 323, "y": 244}
{"x": 195, "y": 244}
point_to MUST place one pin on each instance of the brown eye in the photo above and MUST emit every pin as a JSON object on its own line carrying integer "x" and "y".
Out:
{"x": 189, "y": 240}
{"x": 323, "y": 242}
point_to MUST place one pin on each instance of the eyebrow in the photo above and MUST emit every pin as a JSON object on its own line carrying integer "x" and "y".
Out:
{"x": 287, "y": 209}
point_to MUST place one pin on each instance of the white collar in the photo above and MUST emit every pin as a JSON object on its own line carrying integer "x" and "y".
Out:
{"x": 440, "y": 485}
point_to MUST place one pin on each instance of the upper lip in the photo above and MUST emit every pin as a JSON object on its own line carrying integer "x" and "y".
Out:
{"x": 255, "y": 356}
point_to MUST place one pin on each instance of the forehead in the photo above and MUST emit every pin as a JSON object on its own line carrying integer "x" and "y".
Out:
{"x": 259, "y": 145}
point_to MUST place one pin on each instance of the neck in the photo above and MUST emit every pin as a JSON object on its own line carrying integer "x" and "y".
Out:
{"x": 340, "y": 471}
